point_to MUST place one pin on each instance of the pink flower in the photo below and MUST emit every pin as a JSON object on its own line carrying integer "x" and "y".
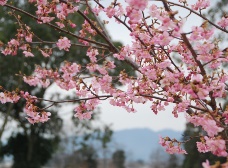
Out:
{"x": 64, "y": 44}
{"x": 8, "y": 97}
{"x": 3, "y": 2}
{"x": 41, "y": 2}
{"x": 138, "y": 4}
{"x": 110, "y": 11}
{"x": 134, "y": 15}
{"x": 223, "y": 22}
{"x": 79, "y": 115}
{"x": 216, "y": 146}
{"x": 162, "y": 39}
{"x": 28, "y": 54}
{"x": 72, "y": 25}
{"x": 13, "y": 42}
{"x": 28, "y": 38}
{"x": 175, "y": 149}
{"x": 202, "y": 147}
{"x": 32, "y": 81}
{"x": 170, "y": 147}
{"x": 69, "y": 70}
{"x": 206, "y": 164}
{"x": 87, "y": 115}
{"x": 209, "y": 125}
{"x": 61, "y": 25}
{"x": 153, "y": 10}
{"x": 44, "y": 53}
{"x": 201, "y": 4}
{"x": 47, "y": 19}
{"x": 44, "y": 116}
{"x": 92, "y": 53}
{"x": 162, "y": 141}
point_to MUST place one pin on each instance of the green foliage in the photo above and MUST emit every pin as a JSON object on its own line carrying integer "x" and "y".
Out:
{"x": 118, "y": 159}
{"x": 173, "y": 162}
{"x": 85, "y": 157}
{"x": 30, "y": 145}
{"x": 219, "y": 11}
{"x": 30, "y": 151}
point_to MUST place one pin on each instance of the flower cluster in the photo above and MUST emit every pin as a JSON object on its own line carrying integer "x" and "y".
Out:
{"x": 214, "y": 145}
{"x": 40, "y": 77}
{"x": 84, "y": 110}
{"x": 3, "y": 2}
{"x": 170, "y": 147}
{"x": 223, "y": 22}
{"x": 208, "y": 124}
{"x": 207, "y": 165}
{"x": 8, "y": 97}
{"x": 201, "y": 4}
{"x": 35, "y": 115}
{"x": 63, "y": 44}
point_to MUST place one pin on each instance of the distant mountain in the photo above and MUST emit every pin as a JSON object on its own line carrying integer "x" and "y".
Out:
{"x": 138, "y": 143}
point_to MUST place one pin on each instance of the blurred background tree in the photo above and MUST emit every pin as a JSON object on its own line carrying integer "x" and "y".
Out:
{"x": 118, "y": 159}
{"x": 30, "y": 145}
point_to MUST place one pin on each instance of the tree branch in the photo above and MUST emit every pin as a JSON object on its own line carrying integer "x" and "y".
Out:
{"x": 56, "y": 27}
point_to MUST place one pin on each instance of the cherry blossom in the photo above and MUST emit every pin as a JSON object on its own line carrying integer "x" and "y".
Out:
{"x": 64, "y": 44}
{"x": 92, "y": 53}
{"x": 47, "y": 19}
{"x": 208, "y": 124}
{"x": 223, "y": 22}
{"x": 3, "y": 2}
{"x": 216, "y": 146}
{"x": 45, "y": 54}
{"x": 170, "y": 147}
{"x": 138, "y": 5}
{"x": 8, "y": 97}
{"x": 28, "y": 54}
{"x": 201, "y": 4}
{"x": 206, "y": 164}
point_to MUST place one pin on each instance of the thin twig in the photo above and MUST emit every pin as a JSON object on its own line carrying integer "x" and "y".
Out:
{"x": 56, "y": 27}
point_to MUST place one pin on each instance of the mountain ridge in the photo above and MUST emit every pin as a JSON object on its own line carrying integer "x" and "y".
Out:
{"x": 141, "y": 143}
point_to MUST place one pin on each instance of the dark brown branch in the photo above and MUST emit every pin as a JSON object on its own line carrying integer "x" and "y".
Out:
{"x": 112, "y": 47}
{"x": 218, "y": 27}
{"x": 189, "y": 46}
{"x": 73, "y": 44}
{"x": 176, "y": 102}
{"x": 103, "y": 97}
{"x": 186, "y": 41}
{"x": 56, "y": 27}
{"x": 74, "y": 100}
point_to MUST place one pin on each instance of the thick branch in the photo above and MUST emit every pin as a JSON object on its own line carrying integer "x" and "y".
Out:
{"x": 112, "y": 47}
{"x": 186, "y": 41}
{"x": 73, "y": 44}
{"x": 75, "y": 100}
